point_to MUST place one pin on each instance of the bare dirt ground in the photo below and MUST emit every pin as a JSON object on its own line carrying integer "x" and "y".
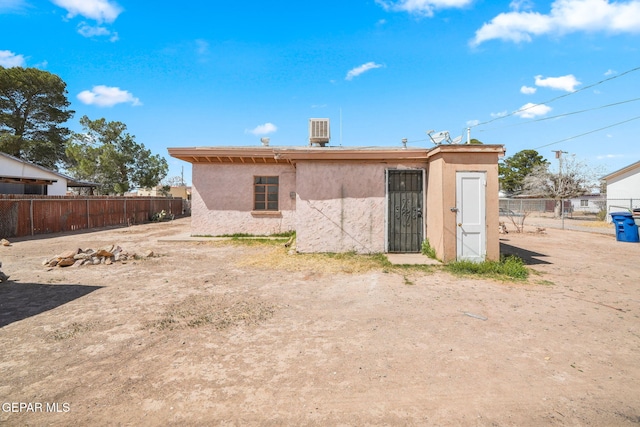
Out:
{"x": 232, "y": 334}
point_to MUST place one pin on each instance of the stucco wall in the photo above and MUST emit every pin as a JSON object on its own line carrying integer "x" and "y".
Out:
{"x": 441, "y": 221}
{"x": 341, "y": 206}
{"x": 222, "y": 199}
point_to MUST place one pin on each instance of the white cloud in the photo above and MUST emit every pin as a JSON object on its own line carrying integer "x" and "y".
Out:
{"x": 530, "y": 111}
{"x": 566, "y": 16}
{"x": 104, "y": 96}
{"x": 12, "y": 5}
{"x": 421, "y": 7}
{"x": 609, "y": 156}
{"x": 87, "y": 30}
{"x": 567, "y": 83}
{"x": 473, "y": 122}
{"x": 264, "y": 129}
{"x": 528, "y": 90}
{"x": 9, "y": 59}
{"x": 521, "y": 5}
{"x": 202, "y": 47}
{"x": 610, "y": 72}
{"x": 500, "y": 114}
{"x": 98, "y": 10}
{"x": 355, "y": 72}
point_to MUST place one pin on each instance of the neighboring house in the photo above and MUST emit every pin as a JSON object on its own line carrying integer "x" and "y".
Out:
{"x": 588, "y": 204}
{"x": 623, "y": 188}
{"x": 366, "y": 200}
{"x": 21, "y": 177}
{"x": 180, "y": 191}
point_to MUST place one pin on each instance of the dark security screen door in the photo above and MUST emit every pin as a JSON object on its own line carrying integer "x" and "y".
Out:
{"x": 405, "y": 210}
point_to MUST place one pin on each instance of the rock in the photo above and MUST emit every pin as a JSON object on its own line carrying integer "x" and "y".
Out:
{"x": 69, "y": 254}
{"x": 5, "y": 242}
{"x": 103, "y": 253}
{"x": 3, "y": 277}
{"x": 78, "y": 263}
{"x": 108, "y": 261}
{"x": 148, "y": 254}
{"x": 95, "y": 261}
{"x": 53, "y": 262}
{"x": 82, "y": 255}
{"x": 65, "y": 262}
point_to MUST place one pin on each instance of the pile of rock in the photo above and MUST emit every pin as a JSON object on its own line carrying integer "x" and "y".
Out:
{"x": 106, "y": 255}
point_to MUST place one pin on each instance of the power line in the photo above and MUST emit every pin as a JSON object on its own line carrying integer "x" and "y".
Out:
{"x": 557, "y": 97}
{"x": 587, "y": 133}
{"x": 564, "y": 114}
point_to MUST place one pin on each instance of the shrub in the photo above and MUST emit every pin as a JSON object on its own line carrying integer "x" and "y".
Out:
{"x": 428, "y": 250}
{"x": 510, "y": 267}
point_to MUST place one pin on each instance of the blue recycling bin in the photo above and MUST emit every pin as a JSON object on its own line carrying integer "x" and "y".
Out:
{"x": 626, "y": 228}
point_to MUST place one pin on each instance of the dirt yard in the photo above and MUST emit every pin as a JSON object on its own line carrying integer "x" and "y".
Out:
{"x": 236, "y": 334}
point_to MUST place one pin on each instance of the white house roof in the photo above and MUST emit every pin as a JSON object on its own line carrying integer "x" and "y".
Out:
{"x": 48, "y": 177}
{"x": 624, "y": 170}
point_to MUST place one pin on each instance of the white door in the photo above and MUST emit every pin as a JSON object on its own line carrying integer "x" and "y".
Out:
{"x": 471, "y": 216}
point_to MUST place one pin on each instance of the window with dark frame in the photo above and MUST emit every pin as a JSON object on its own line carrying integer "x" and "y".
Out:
{"x": 265, "y": 193}
{"x": 584, "y": 203}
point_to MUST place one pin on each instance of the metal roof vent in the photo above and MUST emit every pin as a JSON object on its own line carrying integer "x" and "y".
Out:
{"x": 265, "y": 141}
{"x": 319, "y": 133}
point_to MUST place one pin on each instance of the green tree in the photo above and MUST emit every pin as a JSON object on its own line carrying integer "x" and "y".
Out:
{"x": 513, "y": 170}
{"x": 33, "y": 107}
{"x": 106, "y": 154}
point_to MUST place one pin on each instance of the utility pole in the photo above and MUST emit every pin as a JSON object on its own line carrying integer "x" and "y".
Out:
{"x": 559, "y": 154}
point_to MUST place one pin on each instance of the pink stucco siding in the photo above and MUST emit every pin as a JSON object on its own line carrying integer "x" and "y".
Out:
{"x": 222, "y": 199}
{"x": 342, "y": 206}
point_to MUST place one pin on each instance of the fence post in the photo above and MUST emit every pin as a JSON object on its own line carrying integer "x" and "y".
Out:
{"x": 31, "y": 216}
{"x": 88, "y": 220}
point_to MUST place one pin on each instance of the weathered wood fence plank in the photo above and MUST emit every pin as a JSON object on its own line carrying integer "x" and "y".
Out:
{"x": 27, "y": 215}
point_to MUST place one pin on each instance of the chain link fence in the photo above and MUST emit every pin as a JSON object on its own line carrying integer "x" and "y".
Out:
{"x": 585, "y": 206}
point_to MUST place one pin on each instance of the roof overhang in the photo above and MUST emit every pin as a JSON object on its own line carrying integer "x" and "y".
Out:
{"x": 622, "y": 171}
{"x": 273, "y": 155}
{"x": 467, "y": 148}
{"x": 26, "y": 180}
{"x": 249, "y": 155}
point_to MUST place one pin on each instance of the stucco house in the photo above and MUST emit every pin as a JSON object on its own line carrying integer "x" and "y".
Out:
{"x": 367, "y": 200}
{"x": 623, "y": 188}
{"x": 21, "y": 177}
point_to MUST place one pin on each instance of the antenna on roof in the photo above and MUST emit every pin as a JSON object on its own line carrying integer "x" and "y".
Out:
{"x": 443, "y": 136}
{"x": 439, "y": 137}
{"x": 265, "y": 141}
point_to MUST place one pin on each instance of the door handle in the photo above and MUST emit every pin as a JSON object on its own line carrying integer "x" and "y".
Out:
{"x": 459, "y": 224}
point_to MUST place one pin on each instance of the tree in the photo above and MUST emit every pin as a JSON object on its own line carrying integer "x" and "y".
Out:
{"x": 574, "y": 178}
{"x": 106, "y": 154}
{"x": 174, "y": 181}
{"x": 33, "y": 106}
{"x": 513, "y": 170}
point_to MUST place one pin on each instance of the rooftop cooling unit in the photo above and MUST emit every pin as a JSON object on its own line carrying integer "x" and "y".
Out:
{"x": 319, "y": 132}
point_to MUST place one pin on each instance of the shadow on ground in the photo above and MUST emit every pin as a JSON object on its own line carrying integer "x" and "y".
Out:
{"x": 528, "y": 257}
{"x": 19, "y": 301}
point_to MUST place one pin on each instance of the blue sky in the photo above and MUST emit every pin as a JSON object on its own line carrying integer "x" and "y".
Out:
{"x": 544, "y": 75}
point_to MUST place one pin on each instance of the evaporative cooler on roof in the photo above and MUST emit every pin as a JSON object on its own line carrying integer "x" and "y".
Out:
{"x": 319, "y": 132}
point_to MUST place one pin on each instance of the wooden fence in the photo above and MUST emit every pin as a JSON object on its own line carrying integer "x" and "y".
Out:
{"x": 28, "y": 215}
